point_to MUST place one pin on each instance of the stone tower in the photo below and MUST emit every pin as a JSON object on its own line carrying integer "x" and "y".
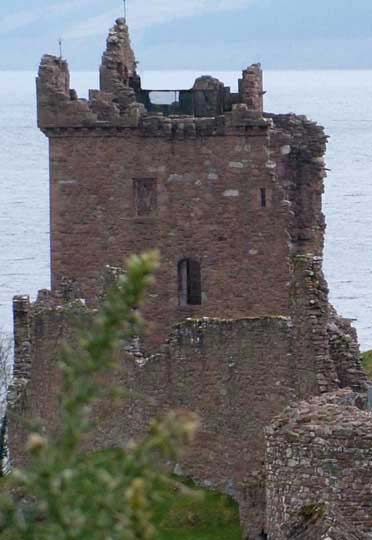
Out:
{"x": 227, "y": 193}
{"x": 240, "y": 320}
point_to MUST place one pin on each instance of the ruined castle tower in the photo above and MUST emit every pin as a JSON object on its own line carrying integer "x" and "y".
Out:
{"x": 240, "y": 319}
{"x": 227, "y": 193}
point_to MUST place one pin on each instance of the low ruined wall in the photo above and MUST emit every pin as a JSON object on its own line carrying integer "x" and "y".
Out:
{"x": 318, "y": 453}
{"x": 237, "y": 375}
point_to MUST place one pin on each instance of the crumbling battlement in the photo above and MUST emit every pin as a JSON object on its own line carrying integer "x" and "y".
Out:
{"x": 208, "y": 179}
{"x": 122, "y": 103}
{"x": 119, "y": 67}
{"x": 320, "y": 453}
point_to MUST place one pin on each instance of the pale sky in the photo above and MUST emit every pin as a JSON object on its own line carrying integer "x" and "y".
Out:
{"x": 193, "y": 34}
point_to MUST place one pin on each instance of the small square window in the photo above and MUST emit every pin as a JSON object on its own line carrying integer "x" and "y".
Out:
{"x": 145, "y": 196}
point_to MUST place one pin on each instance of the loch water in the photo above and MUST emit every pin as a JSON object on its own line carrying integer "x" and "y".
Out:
{"x": 339, "y": 100}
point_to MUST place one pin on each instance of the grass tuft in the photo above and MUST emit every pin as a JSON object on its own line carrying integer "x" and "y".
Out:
{"x": 367, "y": 363}
{"x": 212, "y": 516}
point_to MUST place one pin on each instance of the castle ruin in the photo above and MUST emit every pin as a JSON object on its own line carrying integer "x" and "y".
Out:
{"x": 240, "y": 323}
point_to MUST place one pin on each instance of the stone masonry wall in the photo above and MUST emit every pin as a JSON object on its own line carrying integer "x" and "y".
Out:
{"x": 251, "y": 88}
{"x": 320, "y": 452}
{"x": 237, "y": 191}
{"x": 301, "y": 144}
{"x": 310, "y": 315}
{"x": 235, "y": 374}
{"x": 320, "y": 522}
{"x": 207, "y": 208}
{"x": 345, "y": 353}
{"x": 118, "y": 68}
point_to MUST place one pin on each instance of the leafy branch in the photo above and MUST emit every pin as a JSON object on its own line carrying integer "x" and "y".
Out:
{"x": 67, "y": 495}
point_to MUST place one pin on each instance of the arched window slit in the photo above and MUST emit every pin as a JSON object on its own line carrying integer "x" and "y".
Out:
{"x": 189, "y": 283}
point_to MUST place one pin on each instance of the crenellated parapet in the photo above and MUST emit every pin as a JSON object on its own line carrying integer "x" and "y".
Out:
{"x": 57, "y": 104}
{"x": 251, "y": 88}
{"x": 208, "y": 108}
{"x": 118, "y": 69}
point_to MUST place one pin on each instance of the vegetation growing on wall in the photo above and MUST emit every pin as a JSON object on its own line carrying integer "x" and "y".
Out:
{"x": 367, "y": 363}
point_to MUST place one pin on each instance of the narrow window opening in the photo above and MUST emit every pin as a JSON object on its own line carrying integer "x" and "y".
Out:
{"x": 145, "y": 196}
{"x": 189, "y": 283}
{"x": 263, "y": 198}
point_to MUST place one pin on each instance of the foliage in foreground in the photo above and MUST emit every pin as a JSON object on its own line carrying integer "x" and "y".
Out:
{"x": 67, "y": 495}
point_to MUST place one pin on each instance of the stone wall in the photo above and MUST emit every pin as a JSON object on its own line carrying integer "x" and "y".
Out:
{"x": 319, "y": 522}
{"x": 320, "y": 453}
{"x": 310, "y": 315}
{"x": 119, "y": 67}
{"x": 207, "y": 208}
{"x": 237, "y": 191}
{"x": 345, "y": 352}
{"x": 251, "y": 88}
{"x": 235, "y": 374}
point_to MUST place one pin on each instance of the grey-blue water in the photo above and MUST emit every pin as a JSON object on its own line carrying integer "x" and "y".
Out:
{"x": 339, "y": 100}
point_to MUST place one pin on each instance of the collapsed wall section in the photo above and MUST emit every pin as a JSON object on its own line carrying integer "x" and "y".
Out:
{"x": 320, "y": 453}
{"x": 310, "y": 315}
{"x": 298, "y": 148}
{"x": 118, "y": 69}
{"x": 345, "y": 353}
{"x": 235, "y": 374}
{"x": 122, "y": 102}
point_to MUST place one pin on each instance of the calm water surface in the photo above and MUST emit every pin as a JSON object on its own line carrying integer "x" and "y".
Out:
{"x": 339, "y": 100}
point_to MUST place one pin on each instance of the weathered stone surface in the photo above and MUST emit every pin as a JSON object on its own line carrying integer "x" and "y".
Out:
{"x": 319, "y": 522}
{"x": 208, "y": 96}
{"x": 329, "y": 462}
{"x": 251, "y": 88}
{"x": 344, "y": 349}
{"x": 236, "y": 374}
{"x": 119, "y": 67}
{"x": 238, "y": 192}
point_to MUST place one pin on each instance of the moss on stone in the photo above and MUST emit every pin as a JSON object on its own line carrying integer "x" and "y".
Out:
{"x": 313, "y": 511}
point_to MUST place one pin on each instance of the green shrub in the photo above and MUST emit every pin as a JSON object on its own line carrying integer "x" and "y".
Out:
{"x": 211, "y": 516}
{"x": 110, "y": 495}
